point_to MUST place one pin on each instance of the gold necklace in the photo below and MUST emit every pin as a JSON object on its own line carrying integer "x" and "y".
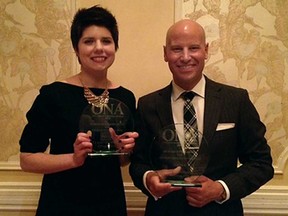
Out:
{"x": 93, "y": 99}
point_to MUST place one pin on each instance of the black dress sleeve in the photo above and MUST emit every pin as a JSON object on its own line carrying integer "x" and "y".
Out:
{"x": 37, "y": 132}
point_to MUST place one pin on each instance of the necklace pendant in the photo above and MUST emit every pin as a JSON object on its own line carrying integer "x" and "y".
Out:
{"x": 95, "y": 100}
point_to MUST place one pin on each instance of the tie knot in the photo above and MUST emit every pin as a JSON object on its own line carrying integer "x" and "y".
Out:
{"x": 188, "y": 95}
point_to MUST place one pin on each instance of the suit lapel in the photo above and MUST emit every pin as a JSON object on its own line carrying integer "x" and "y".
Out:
{"x": 212, "y": 109}
{"x": 164, "y": 111}
{"x": 163, "y": 106}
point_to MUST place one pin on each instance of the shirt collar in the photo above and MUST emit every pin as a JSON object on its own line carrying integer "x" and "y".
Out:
{"x": 199, "y": 89}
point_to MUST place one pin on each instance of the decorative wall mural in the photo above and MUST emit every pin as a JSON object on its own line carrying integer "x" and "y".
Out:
{"x": 249, "y": 48}
{"x": 35, "y": 49}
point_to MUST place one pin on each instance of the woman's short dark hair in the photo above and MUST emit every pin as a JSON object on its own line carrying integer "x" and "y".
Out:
{"x": 95, "y": 15}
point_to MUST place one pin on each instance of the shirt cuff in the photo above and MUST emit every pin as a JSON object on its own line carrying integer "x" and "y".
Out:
{"x": 145, "y": 184}
{"x": 227, "y": 191}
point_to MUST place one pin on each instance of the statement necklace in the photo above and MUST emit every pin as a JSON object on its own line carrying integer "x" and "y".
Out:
{"x": 93, "y": 99}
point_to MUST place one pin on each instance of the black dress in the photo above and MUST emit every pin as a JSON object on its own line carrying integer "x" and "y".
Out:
{"x": 96, "y": 188}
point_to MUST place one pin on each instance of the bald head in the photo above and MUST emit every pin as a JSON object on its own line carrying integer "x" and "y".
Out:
{"x": 186, "y": 52}
{"x": 185, "y": 26}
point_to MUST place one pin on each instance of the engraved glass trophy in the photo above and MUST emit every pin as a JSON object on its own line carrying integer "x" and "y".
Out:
{"x": 168, "y": 152}
{"x": 98, "y": 119}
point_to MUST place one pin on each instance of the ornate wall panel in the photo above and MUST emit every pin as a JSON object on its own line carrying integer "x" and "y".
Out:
{"x": 35, "y": 49}
{"x": 249, "y": 48}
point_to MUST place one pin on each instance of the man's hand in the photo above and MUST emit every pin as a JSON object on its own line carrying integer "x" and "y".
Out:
{"x": 199, "y": 197}
{"x": 155, "y": 184}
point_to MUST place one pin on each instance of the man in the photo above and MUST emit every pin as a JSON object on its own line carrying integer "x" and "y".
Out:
{"x": 226, "y": 117}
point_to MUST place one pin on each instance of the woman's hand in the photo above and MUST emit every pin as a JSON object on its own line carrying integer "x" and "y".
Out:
{"x": 125, "y": 142}
{"x": 82, "y": 146}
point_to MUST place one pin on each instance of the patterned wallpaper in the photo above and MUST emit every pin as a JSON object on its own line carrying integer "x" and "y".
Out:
{"x": 35, "y": 49}
{"x": 249, "y": 49}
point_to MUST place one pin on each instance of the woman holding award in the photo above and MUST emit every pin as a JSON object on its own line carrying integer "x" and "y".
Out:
{"x": 75, "y": 183}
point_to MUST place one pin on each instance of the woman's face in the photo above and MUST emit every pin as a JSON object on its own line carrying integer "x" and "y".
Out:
{"x": 96, "y": 49}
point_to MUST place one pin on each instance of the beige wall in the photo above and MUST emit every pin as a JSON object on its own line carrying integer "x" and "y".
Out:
{"x": 139, "y": 66}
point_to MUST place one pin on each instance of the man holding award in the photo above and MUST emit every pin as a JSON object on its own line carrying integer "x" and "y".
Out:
{"x": 193, "y": 133}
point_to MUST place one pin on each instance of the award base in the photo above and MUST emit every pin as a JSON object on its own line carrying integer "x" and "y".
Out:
{"x": 180, "y": 183}
{"x": 106, "y": 153}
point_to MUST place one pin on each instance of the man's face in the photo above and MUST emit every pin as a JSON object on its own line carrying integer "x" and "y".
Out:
{"x": 186, "y": 52}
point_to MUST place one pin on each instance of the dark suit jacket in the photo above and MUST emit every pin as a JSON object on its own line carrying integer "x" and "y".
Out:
{"x": 244, "y": 143}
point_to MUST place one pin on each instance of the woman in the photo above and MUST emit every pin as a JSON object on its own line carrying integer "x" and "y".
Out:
{"x": 74, "y": 184}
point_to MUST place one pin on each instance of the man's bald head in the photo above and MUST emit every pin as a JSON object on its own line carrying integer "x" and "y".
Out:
{"x": 185, "y": 25}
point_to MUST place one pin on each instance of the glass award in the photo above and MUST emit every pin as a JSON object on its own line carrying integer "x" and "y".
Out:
{"x": 98, "y": 119}
{"x": 167, "y": 152}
